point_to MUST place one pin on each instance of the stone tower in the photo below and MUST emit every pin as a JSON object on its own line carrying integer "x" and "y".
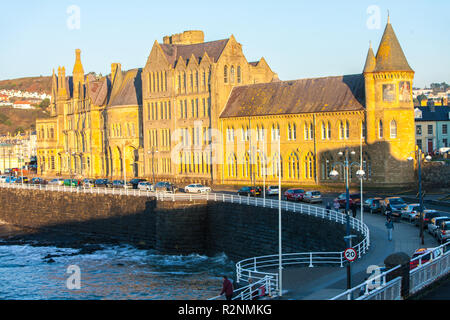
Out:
{"x": 78, "y": 76}
{"x": 390, "y": 108}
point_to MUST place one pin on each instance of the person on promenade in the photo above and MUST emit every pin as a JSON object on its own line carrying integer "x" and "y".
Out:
{"x": 227, "y": 288}
{"x": 390, "y": 228}
{"x": 388, "y": 212}
{"x": 328, "y": 207}
{"x": 354, "y": 208}
{"x": 337, "y": 206}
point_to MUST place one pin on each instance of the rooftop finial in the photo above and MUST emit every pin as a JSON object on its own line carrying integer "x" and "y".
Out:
{"x": 389, "y": 18}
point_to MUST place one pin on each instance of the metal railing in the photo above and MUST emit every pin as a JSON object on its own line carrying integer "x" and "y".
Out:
{"x": 426, "y": 269}
{"x": 256, "y": 268}
{"x": 259, "y": 290}
{"x": 430, "y": 271}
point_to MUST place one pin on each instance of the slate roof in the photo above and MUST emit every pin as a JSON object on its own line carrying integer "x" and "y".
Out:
{"x": 127, "y": 91}
{"x": 390, "y": 56}
{"x": 330, "y": 94}
{"x": 174, "y": 51}
{"x": 440, "y": 113}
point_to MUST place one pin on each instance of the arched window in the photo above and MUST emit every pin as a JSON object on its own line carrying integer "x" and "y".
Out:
{"x": 246, "y": 167}
{"x": 380, "y": 129}
{"x": 347, "y": 130}
{"x": 277, "y": 162}
{"x": 309, "y": 166}
{"x": 232, "y": 166}
{"x": 329, "y": 131}
{"x": 311, "y": 131}
{"x": 294, "y": 166}
{"x": 393, "y": 129}
{"x": 324, "y": 131}
{"x": 275, "y": 132}
{"x": 306, "y": 131}
{"x": 232, "y": 74}
{"x": 225, "y": 74}
{"x": 341, "y": 130}
{"x": 239, "y": 74}
{"x": 292, "y": 131}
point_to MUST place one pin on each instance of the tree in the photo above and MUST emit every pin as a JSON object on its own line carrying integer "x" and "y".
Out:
{"x": 44, "y": 104}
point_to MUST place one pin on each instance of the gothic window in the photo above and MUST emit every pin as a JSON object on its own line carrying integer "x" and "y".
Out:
{"x": 232, "y": 166}
{"x": 380, "y": 129}
{"x": 225, "y": 74}
{"x": 239, "y": 74}
{"x": 232, "y": 74}
{"x": 347, "y": 130}
{"x": 275, "y": 132}
{"x": 309, "y": 166}
{"x": 294, "y": 166}
{"x": 277, "y": 166}
{"x": 393, "y": 129}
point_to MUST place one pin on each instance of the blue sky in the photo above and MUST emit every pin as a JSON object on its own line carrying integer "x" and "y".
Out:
{"x": 299, "y": 39}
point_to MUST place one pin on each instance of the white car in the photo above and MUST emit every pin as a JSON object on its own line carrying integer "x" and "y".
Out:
{"x": 313, "y": 197}
{"x": 196, "y": 188}
{"x": 3, "y": 179}
{"x": 410, "y": 212}
{"x": 57, "y": 182}
{"x": 272, "y": 191}
{"x": 146, "y": 186}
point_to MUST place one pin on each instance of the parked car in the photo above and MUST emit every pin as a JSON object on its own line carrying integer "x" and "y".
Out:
{"x": 88, "y": 183}
{"x": 135, "y": 182}
{"x": 39, "y": 181}
{"x": 433, "y": 226}
{"x": 372, "y": 205}
{"x": 249, "y": 192}
{"x": 10, "y": 180}
{"x": 105, "y": 183}
{"x": 71, "y": 183}
{"x": 23, "y": 180}
{"x": 146, "y": 186}
{"x": 196, "y": 188}
{"x": 294, "y": 195}
{"x": 120, "y": 184}
{"x": 396, "y": 204}
{"x": 443, "y": 232}
{"x": 410, "y": 211}
{"x": 57, "y": 182}
{"x": 3, "y": 179}
{"x": 313, "y": 197}
{"x": 165, "y": 187}
{"x": 427, "y": 216}
{"x": 355, "y": 199}
{"x": 272, "y": 191}
{"x": 426, "y": 254}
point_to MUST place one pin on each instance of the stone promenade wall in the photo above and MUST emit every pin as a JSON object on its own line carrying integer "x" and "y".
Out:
{"x": 169, "y": 227}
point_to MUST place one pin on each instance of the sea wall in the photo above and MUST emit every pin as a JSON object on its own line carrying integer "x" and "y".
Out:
{"x": 180, "y": 227}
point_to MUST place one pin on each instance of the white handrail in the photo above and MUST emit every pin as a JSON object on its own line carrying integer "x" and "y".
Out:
{"x": 244, "y": 271}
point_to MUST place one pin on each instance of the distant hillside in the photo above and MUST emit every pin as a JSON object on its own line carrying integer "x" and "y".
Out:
{"x": 31, "y": 84}
{"x": 12, "y": 120}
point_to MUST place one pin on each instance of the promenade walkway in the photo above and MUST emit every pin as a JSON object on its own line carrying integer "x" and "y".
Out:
{"x": 323, "y": 283}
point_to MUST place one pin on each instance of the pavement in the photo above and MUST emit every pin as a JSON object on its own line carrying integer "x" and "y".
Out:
{"x": 323, "y": 283}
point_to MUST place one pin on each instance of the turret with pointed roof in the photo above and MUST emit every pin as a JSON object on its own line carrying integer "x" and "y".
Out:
{"x": 371, "y": 62}
{"x": 390, "y": 56}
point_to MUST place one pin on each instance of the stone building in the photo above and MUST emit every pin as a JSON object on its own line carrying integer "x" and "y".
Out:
{"x": 200, "y": 112}
{"x": 311, "y": 120}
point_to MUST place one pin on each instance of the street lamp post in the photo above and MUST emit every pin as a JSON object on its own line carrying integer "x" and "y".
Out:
{"x": 334, "y": 174}
{"x": 419, "y": 154}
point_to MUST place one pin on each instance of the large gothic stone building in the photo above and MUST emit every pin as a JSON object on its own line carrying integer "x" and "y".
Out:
{"x": 200, "y": 112}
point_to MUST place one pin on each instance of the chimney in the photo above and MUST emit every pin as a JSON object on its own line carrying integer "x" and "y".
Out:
{"x": 115, "y": 69}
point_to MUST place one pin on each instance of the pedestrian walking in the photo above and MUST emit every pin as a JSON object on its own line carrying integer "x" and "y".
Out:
{"x": 328, "y": 207}
{"x": 354, "y": 210}
{"x": 388, "y": 212}
{"x": 337, "y": 206}
{"x": 227, "y": 288}
{"x": 390, "y": 228}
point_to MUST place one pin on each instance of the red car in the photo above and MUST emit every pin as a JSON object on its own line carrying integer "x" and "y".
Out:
{"x": 294, "y": 195}
{"x": 355, "y": 198}
{"x": 427, "y": 255}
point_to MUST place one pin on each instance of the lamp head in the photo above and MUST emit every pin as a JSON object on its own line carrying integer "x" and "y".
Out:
{"x": 428, "y": 158}
{"x": 410, "y": 159}
{"x": 360, "y": 174}
{"x": 334, "y": 174}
